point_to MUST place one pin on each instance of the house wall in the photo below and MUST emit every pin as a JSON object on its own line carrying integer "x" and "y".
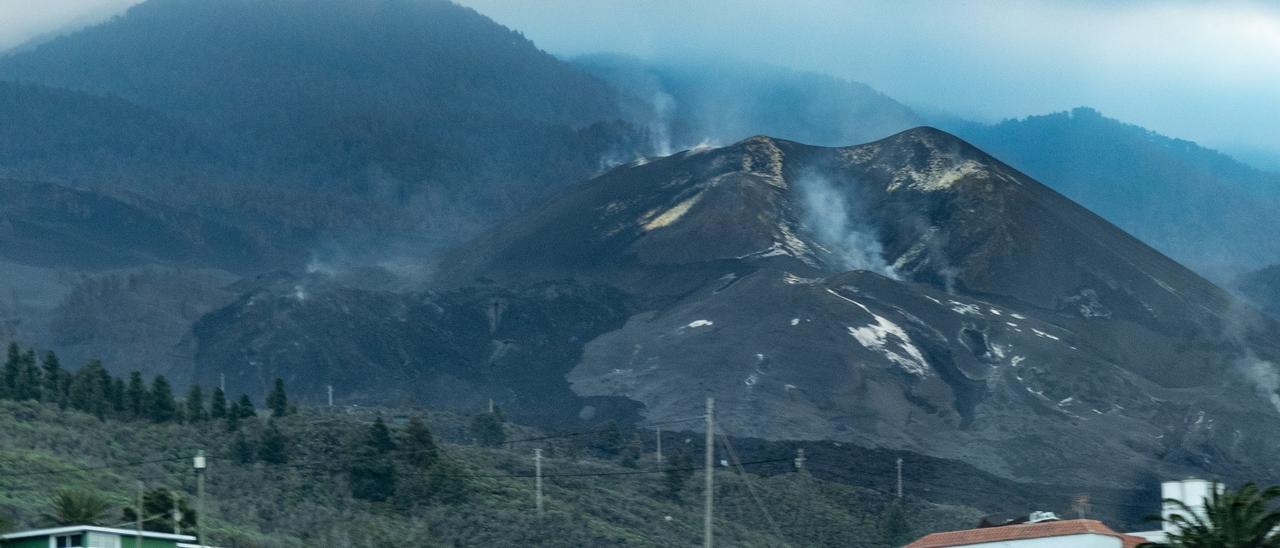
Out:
{"x": 128, "y": 541}
{"x": 1068, "y": 541}
{"x": 35, "y": 542}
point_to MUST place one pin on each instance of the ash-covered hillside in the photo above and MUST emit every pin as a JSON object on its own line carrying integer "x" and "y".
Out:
{"x": 912, "y": 292}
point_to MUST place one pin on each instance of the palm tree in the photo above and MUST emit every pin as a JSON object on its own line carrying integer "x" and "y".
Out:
{"x": 1245, "y": 518}
{"x": 77, "y": 507}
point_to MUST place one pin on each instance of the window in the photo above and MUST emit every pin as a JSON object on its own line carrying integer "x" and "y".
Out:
{"x": 85, "y": 540}
{"x": 69, "y": 541}
{"x": 102, "y": 540}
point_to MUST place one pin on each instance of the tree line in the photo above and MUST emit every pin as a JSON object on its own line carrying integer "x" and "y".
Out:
{"x": 93, "y": 390}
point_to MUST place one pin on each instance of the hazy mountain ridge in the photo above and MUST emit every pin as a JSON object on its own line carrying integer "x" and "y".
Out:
{"x": 418, "y": 118}
{"x": 1262, "y": 288}
{"x": 251, "y": 136}
{"x": 684, "y": 103}
{"x": 914, "y": 292}
{"x": 1200, "y": 206}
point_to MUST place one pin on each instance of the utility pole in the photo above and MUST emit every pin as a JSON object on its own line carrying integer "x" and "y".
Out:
{"x": 177, "y": 514}
{"x": 899, "y": 478}
{"x": 800, "y": 460}
{"x": 137, "y": 540}
{"x": 1081, "y": 503}
{"x": 709, "y": 495}
{"x": 200, "y": 464}
{"x": 537, "y": 467}
{"x": 222, "y": 382}
{"x": 490, "y": 406}
{"x": 331, "y": 395}
{"x": 659, "y": 435}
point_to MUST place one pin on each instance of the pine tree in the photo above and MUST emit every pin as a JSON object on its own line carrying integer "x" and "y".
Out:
{"x": 240, "y": 410}
{"x": 87, "y": 392}
{"x": 379, "y": 439}
{"x": 195, "y": 404}
{"x": 54, "y": 380}
{"x": 108, "y": 384}
{"x": 242, "y": 450}
{"x": 135, "y": 396}
{"x": 118, "y": 390}
{"x": 894, "y": 524}
{"x": 609, "y": 441}
{"x": 244, "y": 407}
{"x": 162, "y": 408}
{"x": 277, "y": 401}
{"x": 273, "y": 448}
{"x": 419, "y": 445}
{"x": 12, "y": 366}
{"x": 374, "y": 476}
{"x": 217, "y": 404}
{"x": 679, "y": 470}
{"x": 29, "y": 383}
{"x": 487, "y": 430}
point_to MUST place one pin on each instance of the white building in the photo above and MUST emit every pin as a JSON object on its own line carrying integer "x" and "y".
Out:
{"x": 1192, "y": 492}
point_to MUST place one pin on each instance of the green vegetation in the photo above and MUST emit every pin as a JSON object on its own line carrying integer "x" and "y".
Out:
{"x": 344, "y": 485}
{"x": 94, "y": 391}
{"x": 77, "y": 507}
{"x": 74, "y": 445}
{"x": 160, "y": 508}
{"x": 1244, "y": 518}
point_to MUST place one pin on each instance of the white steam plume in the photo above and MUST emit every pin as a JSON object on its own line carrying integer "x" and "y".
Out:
{"x": 1263, "y": 375}
{"x": 830, "y": 215}
{"x": 664, "y": 107}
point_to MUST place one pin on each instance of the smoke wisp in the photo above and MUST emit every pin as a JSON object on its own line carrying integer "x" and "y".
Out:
{"x": 1264, "y": 377}
{"x": 831, "y": 216}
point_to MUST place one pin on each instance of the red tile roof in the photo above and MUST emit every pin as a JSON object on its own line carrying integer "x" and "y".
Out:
{"x": 1024, "y": 531}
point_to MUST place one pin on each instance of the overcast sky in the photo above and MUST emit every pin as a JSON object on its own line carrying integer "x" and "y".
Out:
{"x": 21, "y": 20}
{"x": 1207, "y": 71}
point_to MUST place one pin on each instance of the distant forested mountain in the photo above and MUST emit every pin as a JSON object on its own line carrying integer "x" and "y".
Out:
{"x": 1262, "y": 288}
{"x": 685, "y": 103}
{"x": 148, "y": 161}
{"x": 409, "y": 116}
{"x": 53, "y": 133}
{"x": 1201, "y": 207}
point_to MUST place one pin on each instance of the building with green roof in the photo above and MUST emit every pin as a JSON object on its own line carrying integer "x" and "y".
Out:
{"x": 89, "y": 536}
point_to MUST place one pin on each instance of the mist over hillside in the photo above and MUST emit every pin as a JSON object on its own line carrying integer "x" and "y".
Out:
{"x": 416, "y": 118}
{"x": 245, "y": 137}
{"x": 404, "y": 204}
{"x": 1200, "y": 206}
{"x": 707, "y": 101}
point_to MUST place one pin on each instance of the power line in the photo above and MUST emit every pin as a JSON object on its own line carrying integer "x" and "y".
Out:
{"x": 937, "y": 487}
{"x": 933, "y": 487}
{"x": 129, "y": 464}
{"x": 588, "y": 474}
{"x": 733, "y": 456}
{"x": 589, "y": 432}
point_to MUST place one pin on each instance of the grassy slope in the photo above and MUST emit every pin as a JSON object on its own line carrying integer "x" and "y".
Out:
{"x": 308, "y": 502}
